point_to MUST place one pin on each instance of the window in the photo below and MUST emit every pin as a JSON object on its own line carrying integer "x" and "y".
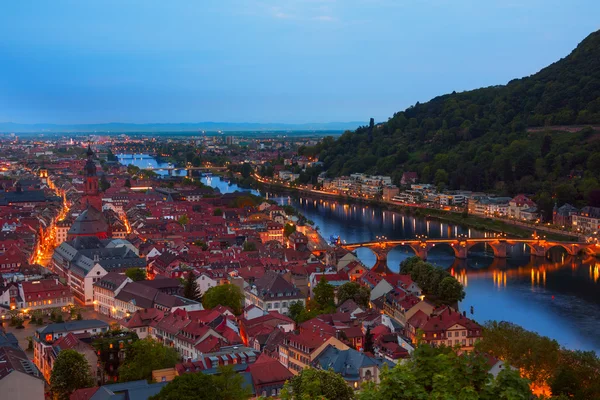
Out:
{"x": 464, "y": 333}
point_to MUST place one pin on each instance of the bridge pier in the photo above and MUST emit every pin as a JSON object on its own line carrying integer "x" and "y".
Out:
{"x": 190, "y": 173}
{"x": 500, "y": 249}
{"x": 537, "y": 250}
{"x": 460, "y": 250}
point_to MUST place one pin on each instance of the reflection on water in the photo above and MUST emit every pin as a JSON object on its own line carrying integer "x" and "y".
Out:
{"x": 557, "y": 296}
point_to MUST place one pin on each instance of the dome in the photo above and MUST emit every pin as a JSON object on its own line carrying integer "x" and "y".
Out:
{"x": 91, "y": 222}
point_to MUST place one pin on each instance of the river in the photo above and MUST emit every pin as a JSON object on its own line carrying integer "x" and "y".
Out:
{"x": 557, "y": 296}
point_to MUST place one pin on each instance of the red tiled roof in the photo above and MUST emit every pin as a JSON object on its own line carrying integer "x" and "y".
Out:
{"x": 267, "y": 370}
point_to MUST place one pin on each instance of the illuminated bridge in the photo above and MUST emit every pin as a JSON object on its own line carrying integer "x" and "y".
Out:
{"x": 538, "y": 246}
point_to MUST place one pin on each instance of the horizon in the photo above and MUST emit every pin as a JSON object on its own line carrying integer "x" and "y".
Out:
{"x": 267, "y": 62}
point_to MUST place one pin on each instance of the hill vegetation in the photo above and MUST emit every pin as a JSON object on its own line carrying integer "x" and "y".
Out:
{"x": 499, "y": 138}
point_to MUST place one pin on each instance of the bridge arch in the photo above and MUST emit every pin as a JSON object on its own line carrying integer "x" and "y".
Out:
{"x": 480, "y": 245}
{"x": 444, "y": 245}
{"x": 367, "y": 255}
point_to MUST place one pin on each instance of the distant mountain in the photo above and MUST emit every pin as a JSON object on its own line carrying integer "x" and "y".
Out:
{"x": 117, "y": 127}
{"x": 486, "y": 139}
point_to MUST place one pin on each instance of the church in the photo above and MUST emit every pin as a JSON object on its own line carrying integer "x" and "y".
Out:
{"x": 91, "y": 249}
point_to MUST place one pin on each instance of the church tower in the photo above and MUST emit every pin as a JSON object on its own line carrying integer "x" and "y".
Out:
{"x": 91, "y": 191}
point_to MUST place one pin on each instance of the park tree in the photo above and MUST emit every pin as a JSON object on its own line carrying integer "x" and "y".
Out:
{"x": 145, "y": 356}
{"x": 228, "y": 295}
{"x": 352, "y": 290}
{"x": 317, "y": 384}
{"x": 324, "y": 293}
{"x": 136, "y": 274}
{"x": 71, "y": 371}
{"x": 190, "y": 287}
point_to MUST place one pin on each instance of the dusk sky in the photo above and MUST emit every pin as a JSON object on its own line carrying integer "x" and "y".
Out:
{"x": 295, "y": 61}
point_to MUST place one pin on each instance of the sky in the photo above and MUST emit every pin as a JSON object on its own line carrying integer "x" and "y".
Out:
{"x": 292, "y": 61}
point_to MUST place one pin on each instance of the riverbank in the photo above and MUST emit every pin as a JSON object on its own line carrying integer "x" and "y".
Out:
{"x": 457, "y": 218}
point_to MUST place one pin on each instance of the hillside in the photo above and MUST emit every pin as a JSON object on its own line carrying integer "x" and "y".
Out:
{"x": 479, "y": 139}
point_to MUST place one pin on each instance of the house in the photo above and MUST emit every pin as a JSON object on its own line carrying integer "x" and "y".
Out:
{"x": 106, "y": 289}
{"x": 70, "y": 342}
{"x": 451, "y": 328}
{"x": 521, "y": 207}
{"x": 268, "y": 376}
{"x": 11, "y": 259}
{"x": 45, "y": 293}
{"x": 272, "y": 292}
{"x": 562, "y": 216}
{"x": 20, "y": 379}
{"x": 354, "y": 366}
{"x": 409, "y": 178}
{"x": 85, "y": 260}
{"x": 118, "y": 391}
{"x": 142, "y": 321}
{"x": 45, "y": 337}
{"x": 587, "y": 220}
{"x": 299, "y": 350}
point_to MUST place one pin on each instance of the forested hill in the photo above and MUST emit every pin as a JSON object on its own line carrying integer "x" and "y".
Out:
{"x": 478, "y": 139}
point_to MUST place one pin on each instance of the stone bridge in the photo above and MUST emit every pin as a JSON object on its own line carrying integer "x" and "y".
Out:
{"x": 500, "y": 245}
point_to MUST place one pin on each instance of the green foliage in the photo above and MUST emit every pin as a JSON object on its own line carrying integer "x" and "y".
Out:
{"x": 317, "y": 384}
{"x": 190, "y": 288}
{"x": 225, "y": 295}
{"x": 440, "y": 373}
{"x": 352, "y": 290}
{"x": 227, "y": 385}
{"x": 143, "y": 357}
{"x": 288, "y": 229}
{"x": 295, "y": 310}
{"x": 536, "y": 356}
{"x": 479, "y": 139}
{"x": 369, "y": 340}
{"x": 136, "y": 274}
{"x": 183, "y": 220}
{"x": 324, "y": 293}
{"x": 435, "y": 282}
{"x": 71, "y": 371}
{"x": 217, "y": 212}
{"x": 249, "y": 246}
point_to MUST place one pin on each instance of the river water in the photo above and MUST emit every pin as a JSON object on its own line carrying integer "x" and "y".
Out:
{"x": 557, "y": 296}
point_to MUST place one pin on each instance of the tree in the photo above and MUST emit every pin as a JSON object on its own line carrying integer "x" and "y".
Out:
{"x": 536, "y": 356}
{"x": 295, "y": 310}
{"x": 136, "y": 274}
{"x": 183, "y": 221}
{"x": 249, "y": 246}
{"x": 217, "y": 212}
{"x": 201, "y": 244}
{"x": 324, "y": 293}
{"x": 227, "y": 295}
{"x": 104, "y": 183}
{"x": 145, "y": 356}
{"x": 451, "y": 290}
{"x": 190, "y": 288}
{"x": 317, "y": 384}
{"x": 577, "y": 376}
{"x": 441, "y": 373}
{"x": 288, "y": 229}
{"x": 368, "y": 340}
{"x": 227, "y": 385}
{"x": 71, "y": 371}
{"x": 127, "y": 183}
{"x": 352, "y": 290}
